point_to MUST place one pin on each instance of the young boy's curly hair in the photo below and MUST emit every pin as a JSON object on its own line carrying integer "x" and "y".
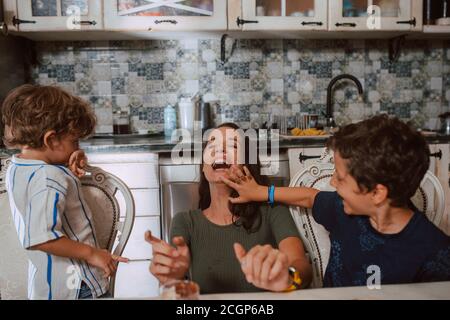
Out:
{"x": 30, "y": 111}
{"x": 384, "y": 150}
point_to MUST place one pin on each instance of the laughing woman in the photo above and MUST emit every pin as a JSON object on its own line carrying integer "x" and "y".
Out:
{"x": 231, "y": 248}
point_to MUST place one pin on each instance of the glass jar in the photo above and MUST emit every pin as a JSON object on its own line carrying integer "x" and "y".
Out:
{"x": 121, "y": 122}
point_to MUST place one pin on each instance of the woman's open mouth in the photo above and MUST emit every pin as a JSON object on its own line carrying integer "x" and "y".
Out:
{"x": 220, "y": 166}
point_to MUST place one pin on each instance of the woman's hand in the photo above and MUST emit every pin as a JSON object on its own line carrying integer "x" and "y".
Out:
{"x": 265, "y": 267}
{"x": 168, "y": 263}
{"x": 244, "y": 183}
{"x": 77, "y": 162}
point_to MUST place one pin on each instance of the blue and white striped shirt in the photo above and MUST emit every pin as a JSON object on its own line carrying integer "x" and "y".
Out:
{"x": 46, "y": 204}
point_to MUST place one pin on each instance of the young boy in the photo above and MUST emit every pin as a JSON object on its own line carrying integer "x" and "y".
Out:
{"x": 51, "y": 217}
{"x": 379, "y": 164}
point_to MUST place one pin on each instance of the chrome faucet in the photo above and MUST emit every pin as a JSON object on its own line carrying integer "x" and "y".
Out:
{"x": 329, "y": 115}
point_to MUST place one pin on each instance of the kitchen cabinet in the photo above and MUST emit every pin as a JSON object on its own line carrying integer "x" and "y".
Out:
{"x": 375, "y": 15}
{"x": 140, "y": 172}
{"x": 300, "y": 158}
{"x": 283, "y": 15}
{"x": 9, "y": 12}
{"x": 159, "y": 15}
{"x": 59, "y": 15}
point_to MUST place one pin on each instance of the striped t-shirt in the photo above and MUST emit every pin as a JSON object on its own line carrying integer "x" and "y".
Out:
{"x": 46, "y": 204}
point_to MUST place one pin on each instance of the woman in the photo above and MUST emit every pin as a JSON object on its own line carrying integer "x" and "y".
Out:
{"x": 231, "y": 248}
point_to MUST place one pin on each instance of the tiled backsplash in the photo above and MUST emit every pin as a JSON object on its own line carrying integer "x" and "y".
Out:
{"x": 262, "y": 78}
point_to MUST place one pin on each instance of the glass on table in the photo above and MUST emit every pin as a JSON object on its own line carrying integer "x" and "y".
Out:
{"x": 180, "y": 290}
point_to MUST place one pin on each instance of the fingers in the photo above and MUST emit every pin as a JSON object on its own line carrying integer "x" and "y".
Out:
{"x": 258, "y": 261}
{"x": 150, "y": 238}
{"x": 179, "y": 241}
{"x": 158, "y": 269}
{"x": 163, "y": 260}
{"x": 120, "y": 259}
{"x": 247, "y": 172}
{"x": 267, "y": 267}
{"x": 236, "y": 200}
{"x": 279, "y": 266}
{"x": 239, "y": 251}
{"x": 229, "y": 183}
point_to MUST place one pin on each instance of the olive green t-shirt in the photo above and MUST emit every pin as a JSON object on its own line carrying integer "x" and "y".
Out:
{"x": 214, "y": 266}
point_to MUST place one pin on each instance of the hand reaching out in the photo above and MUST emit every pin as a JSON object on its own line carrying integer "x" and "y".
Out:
{"x": 244, "y": 183}
{"x": 168, "y": 262}
{"x": 264, "y": 267}
{"x": 106, "y": 261}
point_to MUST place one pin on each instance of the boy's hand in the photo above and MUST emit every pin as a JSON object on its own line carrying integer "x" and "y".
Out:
{"x": 168, "y": 262}
{"x": 106, "y": 261}
{"x": 245, "y": 185}
{"x": 77, "y": 162}
{"x": 264, "y": 267}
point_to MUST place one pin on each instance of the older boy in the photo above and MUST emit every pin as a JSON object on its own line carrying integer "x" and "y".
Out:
{"x": 379, "y": 164}
{"x": 51, "y": 217}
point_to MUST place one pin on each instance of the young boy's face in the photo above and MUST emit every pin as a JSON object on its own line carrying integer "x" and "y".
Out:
{"x": 63, "y": 148}
{"x": 355, "y": 201}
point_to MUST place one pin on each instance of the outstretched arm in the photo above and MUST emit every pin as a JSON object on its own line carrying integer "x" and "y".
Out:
{"x": 67, "y": 248}
{"x": 249, "y": 190}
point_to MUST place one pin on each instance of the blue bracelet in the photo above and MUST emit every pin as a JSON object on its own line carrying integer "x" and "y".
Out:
{"x": 272, "y": 195}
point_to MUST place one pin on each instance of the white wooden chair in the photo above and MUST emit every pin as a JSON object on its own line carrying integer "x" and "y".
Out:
{"x": 429, "y": 199}
{"x": 100, "y": 190}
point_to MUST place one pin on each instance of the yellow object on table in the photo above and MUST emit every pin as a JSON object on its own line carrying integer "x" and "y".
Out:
{"x": 307, "y": 132}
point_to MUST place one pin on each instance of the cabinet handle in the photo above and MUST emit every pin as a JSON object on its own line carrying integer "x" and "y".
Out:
{"x": 166, "y": 21}
{"x": 411, "y": 22}
{"x": 85, "y": 23}
{"x": 3, "y": 28}
{"x": 346, "y": 24}
{"x": 315, "y": 23}
{"x": 302, "y": 157}
{"x": 240, "y": 21}
{"x": 17, "y": 21}
{"x": 437, "y": 154}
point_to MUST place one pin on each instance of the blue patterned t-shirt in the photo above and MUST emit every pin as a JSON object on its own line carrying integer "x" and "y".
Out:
{"x": 418, "y": 253}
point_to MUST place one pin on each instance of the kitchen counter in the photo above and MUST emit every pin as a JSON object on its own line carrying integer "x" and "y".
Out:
{"x": 159, "y": 144}
{"x": 436, "y": 290}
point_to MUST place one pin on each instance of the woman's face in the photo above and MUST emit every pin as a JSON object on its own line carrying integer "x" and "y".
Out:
{"x": 223, "y": 152}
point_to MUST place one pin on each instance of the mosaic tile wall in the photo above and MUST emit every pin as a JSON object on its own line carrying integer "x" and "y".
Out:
{"x": 261, "y": 78}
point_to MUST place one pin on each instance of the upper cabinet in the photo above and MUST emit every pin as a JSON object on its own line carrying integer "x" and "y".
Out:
{"x": 155, "y": 15}
{"x": 375, "y": 15}
{"x": 282, "y": 15}
{"x": 59, "y": 15}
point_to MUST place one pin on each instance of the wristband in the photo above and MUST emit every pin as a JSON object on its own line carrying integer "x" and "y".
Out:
{"x": 271, "y": 195}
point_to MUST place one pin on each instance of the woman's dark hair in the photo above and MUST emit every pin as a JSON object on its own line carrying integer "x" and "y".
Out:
{"x": 248, "y": 213}
{"x": 384, "y": 150}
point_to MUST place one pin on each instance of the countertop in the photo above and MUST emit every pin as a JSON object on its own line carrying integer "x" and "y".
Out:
{"x": 160, "y": 144}
{"x": 432, "y": 290}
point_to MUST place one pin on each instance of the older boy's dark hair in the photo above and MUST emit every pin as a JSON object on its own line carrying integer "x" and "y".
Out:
{"x": 384, "y": 150}
{"x": 30, "y": 111}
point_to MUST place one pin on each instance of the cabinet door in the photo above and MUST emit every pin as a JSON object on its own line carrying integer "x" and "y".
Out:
{"x": 134, "y": 280}
{"x": 284, "y": 15}
{"x": 152, "y": 15}
{"x": 371, "y": 15}
{"x": 300, "y": 158}
{"x": 9, "y": 13}
{"x": 59, "y": 15}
